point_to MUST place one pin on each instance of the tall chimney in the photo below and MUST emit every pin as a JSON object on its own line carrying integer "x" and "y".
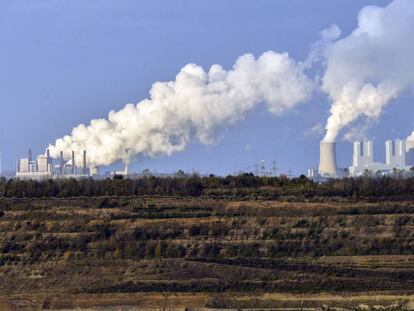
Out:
{"x": 29, "y": 157}
{"x": 49, "y": 161}
{"x": 84, "y": 163}
{"x": 73, "y": 163}
{"x": 61, "y": 162}
{"x": 327, "y": 160}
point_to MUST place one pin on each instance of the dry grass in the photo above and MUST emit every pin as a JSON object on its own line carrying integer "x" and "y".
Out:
{"x": 45, "y": 266}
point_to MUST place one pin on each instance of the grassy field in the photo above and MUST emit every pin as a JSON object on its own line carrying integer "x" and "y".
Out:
{"x": 153, "y": 252}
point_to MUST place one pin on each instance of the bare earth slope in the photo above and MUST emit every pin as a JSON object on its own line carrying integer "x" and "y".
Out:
{"x": 195, "y": 252}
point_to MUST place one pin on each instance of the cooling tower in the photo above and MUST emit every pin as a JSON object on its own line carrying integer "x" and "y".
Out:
{"x": 327, "y": 159}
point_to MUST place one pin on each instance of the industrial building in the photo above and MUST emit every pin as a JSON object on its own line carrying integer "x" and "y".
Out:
{"x": 395, "y": 158}
{"x": 44, "y": 167}
{"x": 399, "y": 156}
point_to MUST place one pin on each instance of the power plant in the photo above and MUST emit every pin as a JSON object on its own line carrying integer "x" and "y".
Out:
{"x": 399, "y": 156}
{"x": 44, "y": 167}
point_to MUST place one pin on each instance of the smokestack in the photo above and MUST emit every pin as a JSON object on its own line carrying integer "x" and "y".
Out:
{"x": 73, "y": 163}
{"x": 29, "y": 157}
{"x": 84, "y": 162}
{"x": 327, "y": 160}
{"x": 61, "y": 162}
{"x": 49, "y": 161}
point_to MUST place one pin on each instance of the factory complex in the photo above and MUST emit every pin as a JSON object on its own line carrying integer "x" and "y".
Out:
{"x": 44, "y": 167}
{"x": 399, "y": 157}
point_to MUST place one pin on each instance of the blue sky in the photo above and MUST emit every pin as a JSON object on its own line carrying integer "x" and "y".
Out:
{"x": 65, "y": 62}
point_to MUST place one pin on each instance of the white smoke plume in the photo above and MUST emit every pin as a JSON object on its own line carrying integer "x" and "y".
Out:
{"x": 371, "y": 66}
{"x": 317, "y": 53}
{"x": 358, "y": 132}
{"x": 190, "y": 107}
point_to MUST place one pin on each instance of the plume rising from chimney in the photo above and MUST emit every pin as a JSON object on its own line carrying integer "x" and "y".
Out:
{"x": 191, "y": 107}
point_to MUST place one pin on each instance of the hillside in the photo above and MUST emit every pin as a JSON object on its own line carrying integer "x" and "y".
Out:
{"x": 199, "y": 252}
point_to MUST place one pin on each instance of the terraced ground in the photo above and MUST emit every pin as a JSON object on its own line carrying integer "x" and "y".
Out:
{"x": 148, "y": 252}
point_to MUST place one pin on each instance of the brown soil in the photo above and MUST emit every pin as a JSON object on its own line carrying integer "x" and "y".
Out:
{"x": 146, "y": 253}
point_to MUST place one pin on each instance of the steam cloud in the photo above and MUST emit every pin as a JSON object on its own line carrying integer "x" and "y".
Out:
{"x": 363, "y": 72}
{"x": 192, "y": 106}
{"x": 374, "y": 64}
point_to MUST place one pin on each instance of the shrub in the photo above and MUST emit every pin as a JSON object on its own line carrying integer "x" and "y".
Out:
{"x": 158, "y": 249}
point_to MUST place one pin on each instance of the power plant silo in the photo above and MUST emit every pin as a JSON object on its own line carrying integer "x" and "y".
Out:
{"x": 327, "y": 159}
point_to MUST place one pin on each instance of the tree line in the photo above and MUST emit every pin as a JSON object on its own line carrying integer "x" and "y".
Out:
{"x": 243, "y": 185}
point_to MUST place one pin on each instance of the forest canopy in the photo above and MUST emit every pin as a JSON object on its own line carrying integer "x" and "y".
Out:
{"x": 243, "y": 185}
